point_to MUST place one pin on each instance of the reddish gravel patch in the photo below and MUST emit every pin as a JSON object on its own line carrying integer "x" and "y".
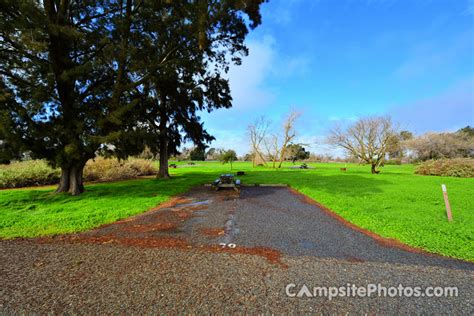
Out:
{"x": 272, "y": 255}
{"x": 150, "y": 227}
{"x": 212, "y": 232}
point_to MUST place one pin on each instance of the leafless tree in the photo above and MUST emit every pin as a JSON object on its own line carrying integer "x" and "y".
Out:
{"x": 257, "y": 132}
{"x": 277, "y": 151}
{"x": 368, "y": 139}
{"x": 272, "y": 148}
{"x": 289, "y": 134}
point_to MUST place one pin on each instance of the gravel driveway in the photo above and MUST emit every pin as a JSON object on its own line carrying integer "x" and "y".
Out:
{"x": 172, "y": 259}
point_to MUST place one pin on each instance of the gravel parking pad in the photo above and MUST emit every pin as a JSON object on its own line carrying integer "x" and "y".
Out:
{"x": 170, "y": 260}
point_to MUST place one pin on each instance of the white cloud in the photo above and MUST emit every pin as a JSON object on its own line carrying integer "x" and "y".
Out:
{"x": 231, "y": 139}
{"x": 251, "y": 91}
{"x": 246, "y": 80}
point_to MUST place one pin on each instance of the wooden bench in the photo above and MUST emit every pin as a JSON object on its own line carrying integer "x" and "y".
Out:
{"x": 172, "y": 166}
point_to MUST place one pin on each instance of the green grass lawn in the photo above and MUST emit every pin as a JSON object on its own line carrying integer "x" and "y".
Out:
{"x": 394, "y": 204}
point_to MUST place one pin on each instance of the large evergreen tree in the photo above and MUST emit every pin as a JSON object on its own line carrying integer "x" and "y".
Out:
{"x": 82, "y": 77}
{"x": 198, "y": 40}
{"x": 62, "y": 77}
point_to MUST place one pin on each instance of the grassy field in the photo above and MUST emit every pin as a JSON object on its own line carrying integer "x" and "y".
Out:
{"x": 394, "y": 204}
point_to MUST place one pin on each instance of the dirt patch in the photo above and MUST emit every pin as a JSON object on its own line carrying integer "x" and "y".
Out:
{"x": 165, "y": 218}
{"x": 170, "y": 216}
{"x": 168, "y": 204}
{"x": 227, "y": 195}
{"x": 145, "y": 228}
{"x": 212, "y": 232}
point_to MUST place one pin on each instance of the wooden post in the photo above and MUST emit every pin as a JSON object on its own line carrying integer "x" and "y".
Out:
{"x": 446, "y": 202}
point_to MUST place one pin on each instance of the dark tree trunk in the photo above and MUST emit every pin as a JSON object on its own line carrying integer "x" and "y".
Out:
{"x": 76, "y": 185}
{"x": 64, "y": 181}
{"x": 374, "y": 170}
{"x": 72, "y": 179}
{"x": 163, "y": 171}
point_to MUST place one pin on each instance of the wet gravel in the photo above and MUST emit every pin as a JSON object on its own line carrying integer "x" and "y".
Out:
{"x": 168, "y": 261}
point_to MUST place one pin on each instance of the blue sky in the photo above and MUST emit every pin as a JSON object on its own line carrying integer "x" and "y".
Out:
{"x": 337, "y": 60}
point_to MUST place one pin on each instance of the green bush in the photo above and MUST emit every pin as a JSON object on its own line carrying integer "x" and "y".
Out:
{"x": 38, "y": 172}
{"x": 27, "y": 173}
{"x": 457, "y": 167}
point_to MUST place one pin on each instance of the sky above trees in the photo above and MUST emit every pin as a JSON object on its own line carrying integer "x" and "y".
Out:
{"x": 336, "y": 61}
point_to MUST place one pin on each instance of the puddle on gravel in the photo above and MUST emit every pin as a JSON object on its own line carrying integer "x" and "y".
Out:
{"x": 194, "y": 203}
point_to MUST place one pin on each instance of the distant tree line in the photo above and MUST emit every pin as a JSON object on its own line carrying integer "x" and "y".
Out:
{"x": 375, "y": 140}
{"x": 459, "y": 144}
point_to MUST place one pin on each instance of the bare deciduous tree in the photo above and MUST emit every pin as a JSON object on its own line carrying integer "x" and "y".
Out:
{"x": 277, "y": 151}
{"x": 368, "y": 139}
{"x": 289, "y": 134}
{"x": 257, "y": 133}
{"x": 273, "y": 149}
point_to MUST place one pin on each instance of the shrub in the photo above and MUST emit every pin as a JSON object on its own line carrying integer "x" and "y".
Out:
{"x": 394, "y": 161}
{"x": 102, "y": 169}
{"x": 27, "y": 173}
{"x": 144, "y": 167}
{"x": 38, "y": 172}
{"x": 458, "y": 167}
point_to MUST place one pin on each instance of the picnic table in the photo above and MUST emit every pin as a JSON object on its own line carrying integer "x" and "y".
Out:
{"x": 226, "y": 181}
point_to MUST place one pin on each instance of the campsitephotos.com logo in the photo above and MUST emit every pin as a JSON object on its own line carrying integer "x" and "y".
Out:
{"x": 369, "y": 290}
